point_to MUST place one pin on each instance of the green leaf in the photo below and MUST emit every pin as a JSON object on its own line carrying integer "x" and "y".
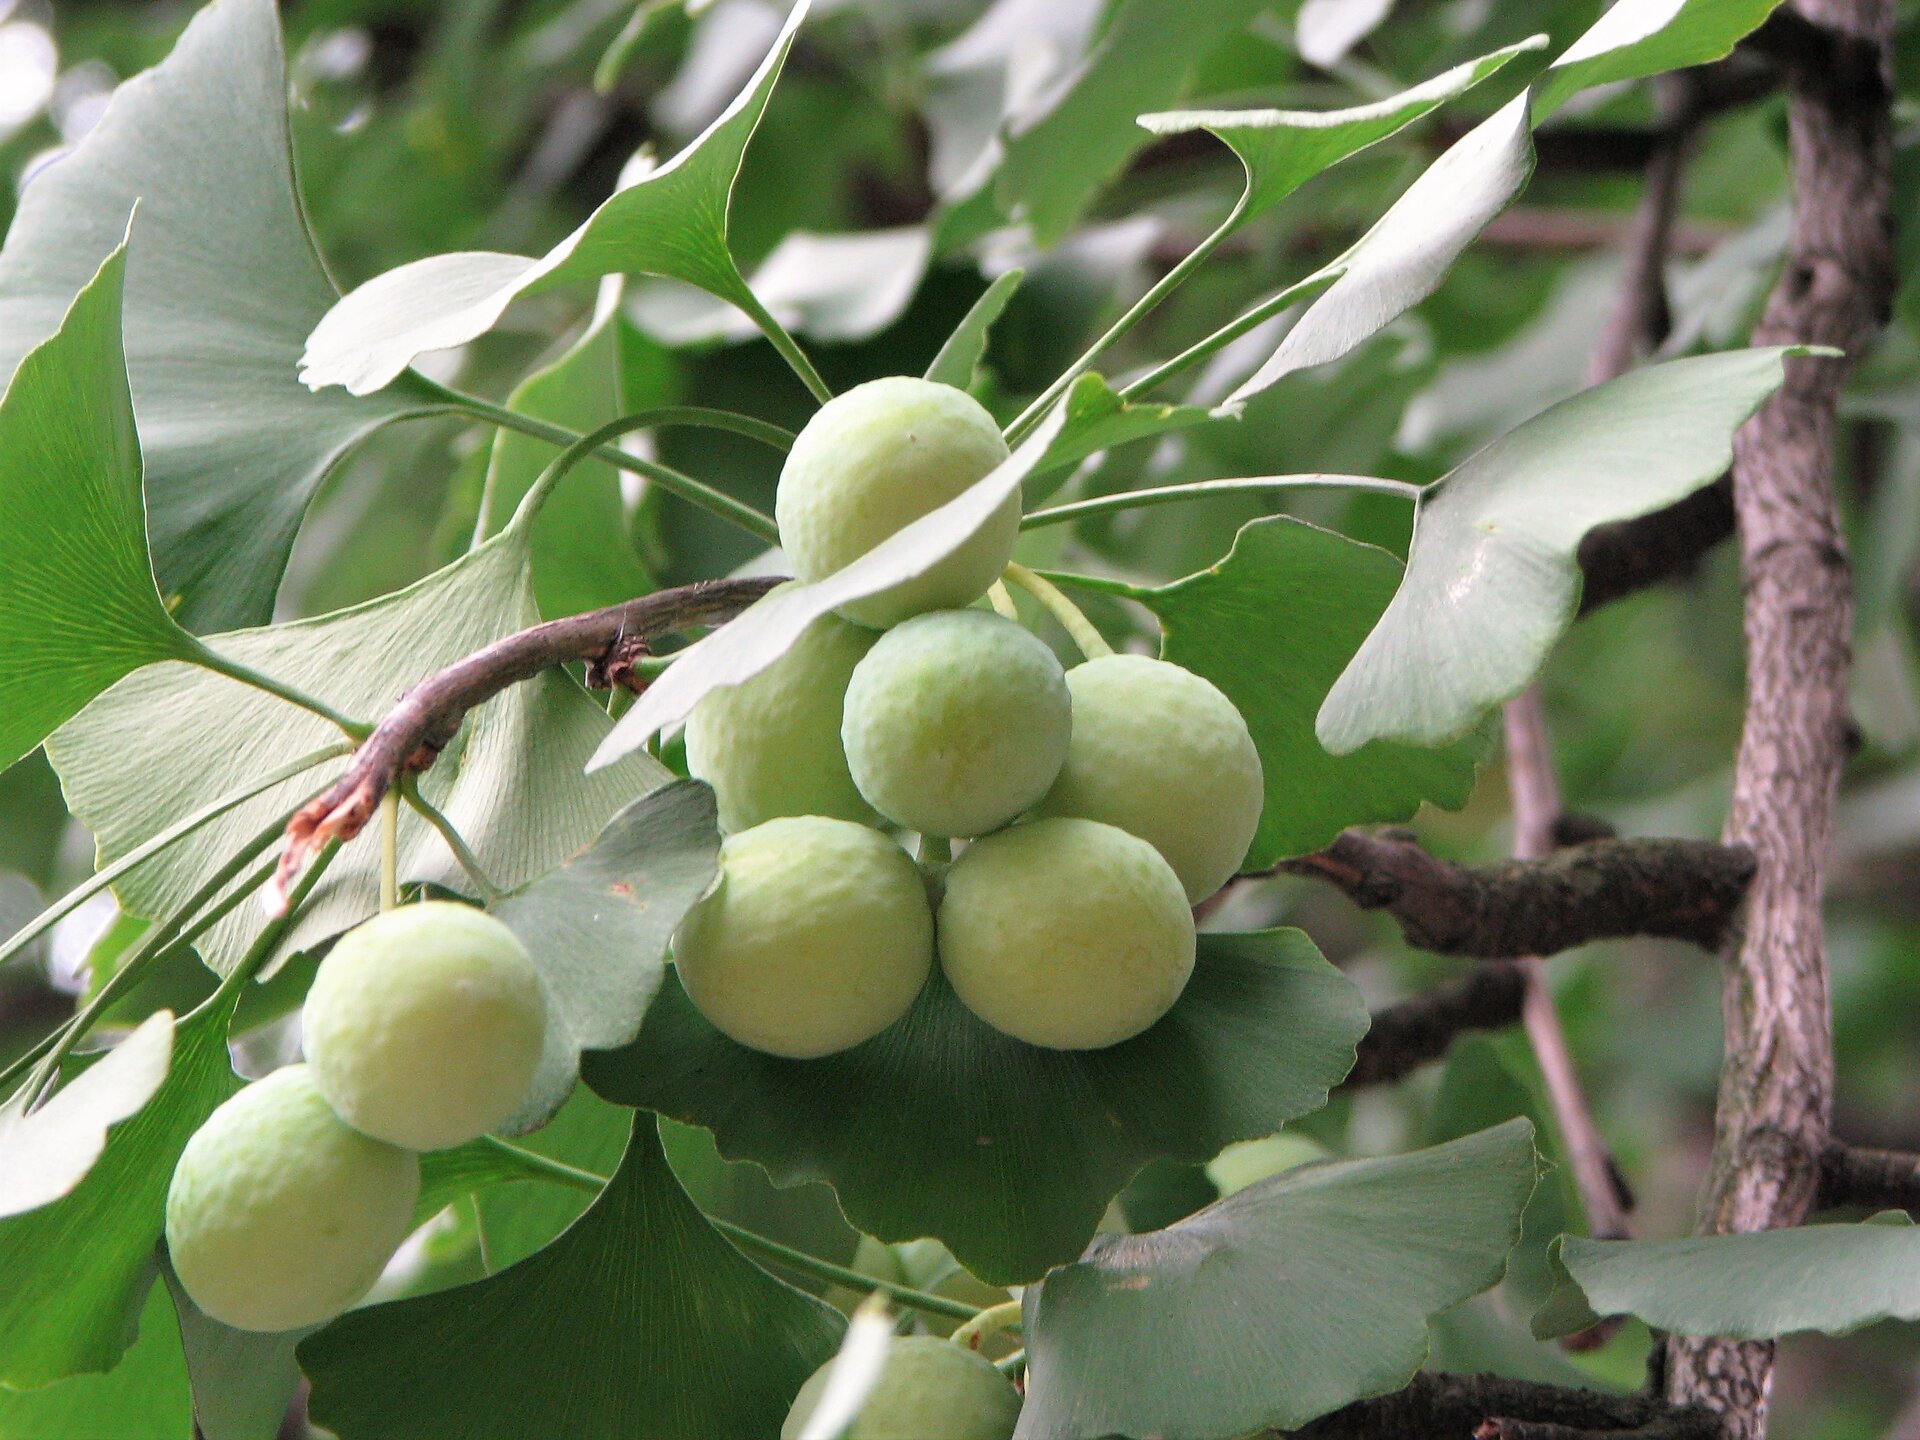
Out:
{"x": 1098, "y": 419}
{"x": 1006, "y": 1152}
{"x": 1405, "y": 256}
{"x": 81, "y": 606}
{"x": 1492, "y": 580}
{"x": 518, "y": 1220}
{"x": 671, "y": 221}
{"x": 1055, "y": 162}
{"x": 1283, "y": 149}
{"x": 746, "y": 645}
{"x": 598, "y": 929}
{"x": 1273, "y": 625}
{"x": 143, "y": 1398}
{"x": 639, "y": 1320}
{"x": 960, "y": 357}
{"x": 511, "y": 781}
{"x": 221, "y": 291}
{"x": 1636, "y": 38}
{"x": 242, "y": 1380}
{"x": 43, "y": 1155}
{"x": 1289, "y": 1299}
{"x": 79, "y": 1270}
{"x": 1830, "y": 1278}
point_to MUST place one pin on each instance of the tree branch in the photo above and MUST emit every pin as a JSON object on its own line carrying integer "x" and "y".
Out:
{"x": 1415, "y": 1032}
{"x": 1776, "y": 1078}
{"x": 414, "y": 732}
{"x": 1853, "y": 1175}
{"x": 1491, "y": 1407}
{"x": 1630, "y": 555}
{"x": 1605, "y": 889}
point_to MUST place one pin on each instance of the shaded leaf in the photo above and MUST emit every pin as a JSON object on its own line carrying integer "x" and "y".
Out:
{"x": 144, "y": 1397}
{"x": 511, "y": 781}
{"x": 43, "y": 1155}
{"x": 1097, "y": 419}
{"x": 745, "y": 646}
{"x": 960, "y": 356}
{"x": 1492, "y": 580}
{"x": 81, "y": 606}
{"x": 670, "y": 221}
{"x": 1008, "y": 1153}
{"x": 1830, "y": 1278}
{"x": 1645, "y": 37}
{"x": 598, "y": 927}
{"x": 1404, "y": 257}
{"x": 518, "y": 1220}
{"x": 1283, "y": 149}
{"x": 242, "y": 1380}
{"x": 1273, "y": 625}
{"x": 639, "y": 1320}
{"x": 221, "y": 290}
{"x": 1289, "y": 1299}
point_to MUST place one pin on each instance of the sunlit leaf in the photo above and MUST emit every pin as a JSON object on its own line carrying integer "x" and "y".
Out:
{"x": 670, "y": 221}
{"x": 960, "y": 356}
{"x": 81, "y": 609}
{"x": 1097, "y": 419}
{"x": 511, "y": 781}
{"x": 1830, "y": 1278}
{"x": 1645, "y": 37}
{"x": 44, "y": 1154}
{"x": 222, "y": 287}
{"x": 1327, "y": 29}
{"x": 1492, "y": 580}
{"x": 598, "y": 928}
{"x": 144, "y": 1397}
{"x": 1284, "y": 1301}
{"x": 1008, "y": 1153}
{"x": 1273, "y": 625}
{"x": 639, "y": 1320}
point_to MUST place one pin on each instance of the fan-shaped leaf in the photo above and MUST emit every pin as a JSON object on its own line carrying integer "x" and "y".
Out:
{"x": 81, "y": 608}
{"x": 1645, "y": 37}
{"x": 639, "y": 1320}
{"x": 1097, "y": 419}
{"x": 1492, "y": 581}
{"x": 1284, "y": 1301}
{"x": 1008, "y": 1153}
{"x": 1272, "y": 625}
{"x": 144, "y": 1397}
{"x": 242, "y": 1380}
{"x": 960, "y": 356}
{"x": 221, "y": 290}
{"x": 670, "y": 221}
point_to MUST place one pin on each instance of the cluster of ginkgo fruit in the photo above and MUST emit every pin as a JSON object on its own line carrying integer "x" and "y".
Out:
{"x": 1099, "y": 803}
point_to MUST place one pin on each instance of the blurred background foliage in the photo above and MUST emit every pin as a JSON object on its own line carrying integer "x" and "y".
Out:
{"x": 422, "y": 127}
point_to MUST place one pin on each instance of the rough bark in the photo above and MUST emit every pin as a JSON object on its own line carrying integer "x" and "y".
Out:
{"x": 1413, "y": 1033}
{"x": 1854, "y": 1175}
{"x": 1442, "y": 1407}
{"x": 1776, "y": 1082}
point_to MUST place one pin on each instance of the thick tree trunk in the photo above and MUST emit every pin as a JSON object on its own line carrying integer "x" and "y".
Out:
{"x": 1776, "y": 1085}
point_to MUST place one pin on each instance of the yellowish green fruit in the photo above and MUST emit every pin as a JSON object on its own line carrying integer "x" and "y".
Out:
{"x": 771, "y": 746}
{"x": 424, "y": 1025}
{"x": 870, "y": 463}
{"x": 818, "y": 936}
{"x": 1066, "y": 933}
{"x": 280, "y": 1215}
{"x": 1158, "y": 751}
{"x": 928, "y": 1390}
{"x": 956, "y": 722}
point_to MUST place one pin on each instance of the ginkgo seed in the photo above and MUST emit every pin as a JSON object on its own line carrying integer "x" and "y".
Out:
{"x": 929, "y": 1389}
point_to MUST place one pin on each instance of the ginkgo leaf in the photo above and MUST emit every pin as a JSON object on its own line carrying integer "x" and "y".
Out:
{"x": 1328, "y": 29}
{"x": 960, "y": 356}
{"x": 669, "y": 221}
{"x": 81, "y": 610}
{"x": 1098, "y": 418}
{"x": 1492, "y": 578}
{"x": 1286, "y": 1300}
{"x": 144, "y": 1397}
{"x": 222, "y": 287}
{"x": 1646, "y": 37}
{"x": 46, "y": 1152}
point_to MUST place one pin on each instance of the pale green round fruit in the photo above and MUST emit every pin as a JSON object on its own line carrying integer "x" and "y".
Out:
{"x": 928, "y": 1390}
{"x": 956, "y": 722}
{"x": 1160, "y": 752}
{"x": 870, "y": 463}
{"x": 771, "y": 746}
{"x": 1066, "y": 933}
{"x": 424, "y": 1025}
{"x": 817, "y": 936}
{"x": 280, "y": 1215}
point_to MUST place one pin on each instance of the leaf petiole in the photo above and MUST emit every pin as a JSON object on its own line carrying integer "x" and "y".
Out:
{"x": 1201, "y": 489}
{"x": 455, "y": 841}
{"x": 208, "y": 658}
{"x": 788, "y": 347}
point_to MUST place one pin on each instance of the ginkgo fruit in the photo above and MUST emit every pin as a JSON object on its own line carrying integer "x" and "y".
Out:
{"x": 1066, "y": 933}
{"x": 1158, "y": 751}
{"x": 929, "y": 1389}
{"x": 956, "y": 722}
{"x": 874, "y": 460}
{"x": 424, "y": 1025}
{"x": 770, "y": 746}
{"x": 818, "y": 935}
{"x": 280, "y": 1214}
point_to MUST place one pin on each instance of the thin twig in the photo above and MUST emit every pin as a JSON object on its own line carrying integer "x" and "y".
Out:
{"x": 1857, "y": 1175}
{"x": 1416, "y": 1032}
